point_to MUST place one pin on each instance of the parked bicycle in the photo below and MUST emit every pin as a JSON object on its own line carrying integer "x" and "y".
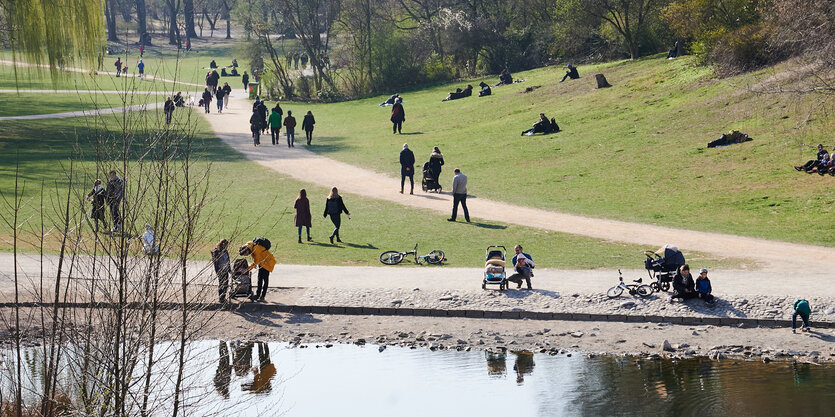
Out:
{"x": 638, "y": 288}
{"x": 393, "y": 257}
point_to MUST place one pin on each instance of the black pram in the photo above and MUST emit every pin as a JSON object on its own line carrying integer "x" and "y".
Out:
{"x": 429, "y": 181}
{"x": 662, "y": 265}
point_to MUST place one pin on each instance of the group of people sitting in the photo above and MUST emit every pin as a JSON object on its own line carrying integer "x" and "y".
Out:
{"x": 543, "y": 125}
{"x": 223, "y": 73}
{"x": 685, "y": 287}
{"x": 459, "y": 93}
{"x": 824, "y": 163}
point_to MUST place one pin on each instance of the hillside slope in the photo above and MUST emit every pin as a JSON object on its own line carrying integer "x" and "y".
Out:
{"x": 635, "y": 151}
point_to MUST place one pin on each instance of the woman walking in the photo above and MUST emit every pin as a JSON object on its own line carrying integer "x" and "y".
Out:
{"x": 307, "y": 126}
{"x": 98, "y": 197}
{"x": 398, "y": 115}
{"x": 255, "y": 127}
{"x": 303, "y": 216}
{"x": 436, "y": 161}
{"x": 334, "y": 207}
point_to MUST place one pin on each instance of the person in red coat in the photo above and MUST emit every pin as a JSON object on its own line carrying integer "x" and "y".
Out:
{"x": 303, "y": 217}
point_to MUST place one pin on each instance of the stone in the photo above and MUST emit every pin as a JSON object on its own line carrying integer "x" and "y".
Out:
{"x": 649, "y": 345}
{"x": 667, "y": 347}
{"x": 381, "y": 348}
{"x": 577, "y": 334}
{"x": 695, "y": 333}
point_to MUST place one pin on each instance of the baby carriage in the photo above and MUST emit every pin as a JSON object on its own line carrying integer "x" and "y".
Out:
{"x": 241, "y": 281}
{"x": 429, "y": 181}
{"x": 662, "y": 265}
{"x": 494, "y": 267}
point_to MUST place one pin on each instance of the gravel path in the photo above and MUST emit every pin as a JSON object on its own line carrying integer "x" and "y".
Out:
{"x": 233, "y": 127}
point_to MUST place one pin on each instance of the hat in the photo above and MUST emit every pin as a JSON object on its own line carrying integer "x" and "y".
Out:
{"x": 703, "y": 271}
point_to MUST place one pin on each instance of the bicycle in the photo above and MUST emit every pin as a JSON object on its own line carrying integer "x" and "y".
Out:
{"x": 393, "y": 257}
{"x": 643, "y": 290}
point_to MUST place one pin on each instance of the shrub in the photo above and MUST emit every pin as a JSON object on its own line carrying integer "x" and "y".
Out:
{"x": 740, "y": 50}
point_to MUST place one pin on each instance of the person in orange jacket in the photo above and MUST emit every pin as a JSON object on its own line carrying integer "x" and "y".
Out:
{"x": 265, "y": 261}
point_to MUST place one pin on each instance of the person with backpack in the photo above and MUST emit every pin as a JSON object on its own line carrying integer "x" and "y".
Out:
{"x": 334, "y": 208}
{"x": 259, "y": 249}
{"x": 307, "y": 126}
{"x": 303, "y": 217}
{"x": 118, "y": 65}
{"x": 801, "y": 308}
{"x": 398, "y": 115}
{"x": 207, "y": 99}
{"x": 290, "y": 124}
{"x": 275, "y": 124}
{"x": 220, "y": 94}
{"x": 220, "y": 260}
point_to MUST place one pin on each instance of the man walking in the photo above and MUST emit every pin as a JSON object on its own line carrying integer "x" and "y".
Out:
{"x": 275, "y": 124}
{"x": 407, "y": 168}
{"x": 141, "y": 67}
{"x": 115, "y": 191}
{"x": 118, "y": 65}
{"x": 290, "y": 127}
{"x": 459, "y": 194}
{"x": 168, "y": 108}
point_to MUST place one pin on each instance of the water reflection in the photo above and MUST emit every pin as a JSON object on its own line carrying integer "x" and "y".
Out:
{"x": 223, "y": 375}
{"x": 264, "y": 373}
{"x": 524, "y": 365}
{"x": 496, "y": 363}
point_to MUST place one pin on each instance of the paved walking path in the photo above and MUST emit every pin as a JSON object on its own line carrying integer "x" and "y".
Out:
{"x": 86, "y": 113}
{"x": 87, "y": 71}
{"x": 36, "y": 91}
{"x": 233, "y": 127}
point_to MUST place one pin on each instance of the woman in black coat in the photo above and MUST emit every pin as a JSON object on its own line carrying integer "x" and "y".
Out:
{"x": 398, "y": 115}
{"x": 98, "y": 197}
{"x": 334, "y": 208}
{"x": 307, "y": 126}
{"x": 436, "y": 161}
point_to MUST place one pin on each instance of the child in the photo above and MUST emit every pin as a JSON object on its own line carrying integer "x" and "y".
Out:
{"x": 220, "y": 259}
{"x": 802, "y": 309}
{"x": 704, "y": 288}
{"x": 264, "y": 260}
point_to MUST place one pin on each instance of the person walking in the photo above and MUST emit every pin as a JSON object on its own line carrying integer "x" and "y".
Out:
{"x": 262, "y": 112}
{"x": 436, "y": 161}
{"x": 227, "y": 90}
{"x": 245, "y": 80}
{"x": 801, "y": 308}
{"x": 115, "y": 192}
{"x": 334, "y": 208}
{"x": 459, "y": 195}
{"x": 407, "y": 168}
{"x": 98, "y": 196}
{"x": 220, "y": 260}
{"x": 307, "y": 126}
{"x": 168, "y": 109}
{"x": 207, "y": 99}
{"x": 118, "y": 65}
{"x": 220, "y": 94}
{"x": 290, "y": 125}
{"x": 303, "y": 217}
{"x": 141, "y": 67}
{"x": 255, "y": 127}
{"x": 275, "y": 124}
{"x": 398, "y": 115}
{"x": 264, "y": 260}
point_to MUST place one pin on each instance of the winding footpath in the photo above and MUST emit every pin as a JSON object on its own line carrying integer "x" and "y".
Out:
{"x": 233, "y": 128}
{"x": 86, "y": 113}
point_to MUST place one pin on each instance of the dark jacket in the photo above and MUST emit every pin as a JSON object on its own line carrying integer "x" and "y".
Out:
{"x": 99, "y": 197}
{"x": 681, "y": 283}
{"x": 219, "y": 93}
{"x": 115, "y": 189}
{"x": 308, "y": 122}
{"x": 703, "y": 285}
{"x": 290, "y": 122}
{"x": 407, "y": 159}
{"x": 255, "y": 121}
{"x": 436, "y": 161}
{"x": 262, "y": 111}
{"x": 207, "y": 96}
{"x": 303, "y": 217}
{"x": 397, "y": 113}
{"x": 245, "y": 79}
{"x": 220, "y": 260}
{"x": 335, "y": 207}
{"x": 169, "y": 106}
{"x": 227, "y": 89}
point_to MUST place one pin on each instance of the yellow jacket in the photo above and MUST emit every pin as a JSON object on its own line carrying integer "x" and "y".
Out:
{"x": 261, "y": 257}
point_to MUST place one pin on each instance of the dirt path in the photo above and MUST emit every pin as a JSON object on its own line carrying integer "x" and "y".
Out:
{"x": 233, "y": 127}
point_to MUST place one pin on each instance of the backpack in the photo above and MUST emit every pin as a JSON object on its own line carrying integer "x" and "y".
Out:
{"x": 263, "y": 242}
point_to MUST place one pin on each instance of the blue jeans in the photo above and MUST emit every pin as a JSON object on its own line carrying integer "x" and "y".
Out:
{"x": 803, "y": 316}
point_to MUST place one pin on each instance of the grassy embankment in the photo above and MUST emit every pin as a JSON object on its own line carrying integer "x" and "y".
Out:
{"x": 635, "y": 151}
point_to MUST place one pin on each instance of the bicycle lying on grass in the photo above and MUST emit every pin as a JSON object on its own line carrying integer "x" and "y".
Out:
{"x": 393, "y": 257}
{"x": 643, "y": 290}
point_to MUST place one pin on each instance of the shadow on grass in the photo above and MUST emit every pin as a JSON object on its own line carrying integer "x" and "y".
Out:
{"x": 412, "y": 133}
{"x": 488, "y": 225}
{"x": 365, "y": 246}
{"x": 331, "y": 144}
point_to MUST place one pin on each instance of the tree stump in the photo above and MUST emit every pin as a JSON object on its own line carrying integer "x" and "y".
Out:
{"x": 601, "y": 81}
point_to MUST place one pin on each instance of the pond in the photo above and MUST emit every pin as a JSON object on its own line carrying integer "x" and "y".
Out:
{"x": 258, "y": 378}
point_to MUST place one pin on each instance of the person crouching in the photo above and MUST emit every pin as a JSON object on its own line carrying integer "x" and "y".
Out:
{"x": 265, "y": 261}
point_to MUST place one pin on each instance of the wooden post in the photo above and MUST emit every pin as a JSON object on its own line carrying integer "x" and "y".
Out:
{"x": 601, "y": 81}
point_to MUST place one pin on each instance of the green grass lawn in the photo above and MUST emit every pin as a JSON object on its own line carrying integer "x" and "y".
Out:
{"x": 46, "y": 103}
{"x": 635, "y": 151}
{"x": 254, "y": 201}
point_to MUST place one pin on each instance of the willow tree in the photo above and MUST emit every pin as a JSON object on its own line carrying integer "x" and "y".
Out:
{"x": 29, "y": 27}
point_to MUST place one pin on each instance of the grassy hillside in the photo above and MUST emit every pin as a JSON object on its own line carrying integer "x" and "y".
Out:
{"x": 635, "y": 151}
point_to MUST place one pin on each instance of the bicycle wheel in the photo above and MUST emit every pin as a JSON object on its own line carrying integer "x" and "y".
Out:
{"x": 615, "y": 291}
{"x": 645, "y": 290}
{"x": 391, "y": 257}
{"x": 435, "y": 257}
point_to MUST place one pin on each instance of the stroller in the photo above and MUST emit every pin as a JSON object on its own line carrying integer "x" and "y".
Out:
{"x": 241, "y": 280}
{"x": 494, "y": 268}
{"x": 662, "y": 265}
{"x": 429, "y": 181}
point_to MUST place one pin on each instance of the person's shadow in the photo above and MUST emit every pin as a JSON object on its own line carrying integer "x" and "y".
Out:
{"x": 822, "y": 336}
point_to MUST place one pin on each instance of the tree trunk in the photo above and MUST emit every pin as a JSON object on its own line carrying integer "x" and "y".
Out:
{"x": 173, "y": 30}
{"x": 110, "y": 20}
{"x": 227, "y": 16}
{"x": 142, "y": 23}
{"x": 188, "y": 11}
{"x": 228, "y": 31}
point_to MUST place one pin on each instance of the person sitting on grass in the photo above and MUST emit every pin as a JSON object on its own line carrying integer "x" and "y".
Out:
{"x": 459, "y": 93}
{"x": 683, "y": 284}
{"x": 704, "y": 289}
{"x": 801, "y": 308}
{"x": 570, "y": 72}
{"x": 504, "y": 78}
{"x": 523, "y": 264}
{"x": 543, "y": 125}
{"x": 813, "y": 164}
{"x": 485, "y": 90}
